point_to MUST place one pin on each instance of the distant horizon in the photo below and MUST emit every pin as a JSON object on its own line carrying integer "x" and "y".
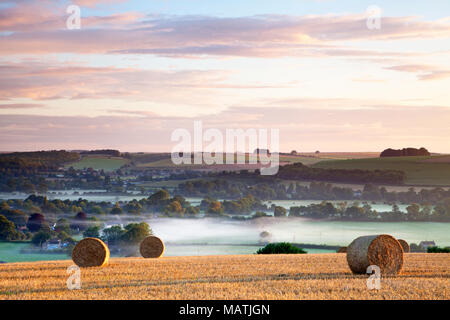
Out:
{"x": 285, "y": 152}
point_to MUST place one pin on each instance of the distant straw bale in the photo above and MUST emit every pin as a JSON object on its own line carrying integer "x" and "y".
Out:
{"x": 152, "y": 247}
{"x": 405, "y": 245}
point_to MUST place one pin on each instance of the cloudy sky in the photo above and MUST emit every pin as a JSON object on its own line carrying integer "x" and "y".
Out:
{"x": 137, "y": 70}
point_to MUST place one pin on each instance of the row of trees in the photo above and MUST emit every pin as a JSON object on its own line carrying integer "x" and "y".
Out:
{"x": 298, "y": 171}
{"x": 358, "y": 212}
{"x": 405, "y": 152}
{"x": 278, "y": 190}
{"x": 42, "y": 181}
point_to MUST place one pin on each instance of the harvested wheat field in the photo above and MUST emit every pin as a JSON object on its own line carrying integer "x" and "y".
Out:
{"x": 309, "y": 276}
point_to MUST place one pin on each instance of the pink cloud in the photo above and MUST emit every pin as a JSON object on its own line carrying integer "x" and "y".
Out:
{"x": 43, "y": 81}
{"x": 93, "y": 3}
{"x": 435, "y": 75}
{"x": 424, "y": 72}
{"x": 46, "y": 16}
{"x": 186, "y": 36}
{"x": 20, "y": 106}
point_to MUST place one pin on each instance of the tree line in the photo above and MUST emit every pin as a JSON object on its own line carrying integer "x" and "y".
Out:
{"x": 278, "y": 190}
{"x": 357, "y": 212}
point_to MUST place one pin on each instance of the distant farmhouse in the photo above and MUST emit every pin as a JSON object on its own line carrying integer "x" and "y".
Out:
{"x": 426, "y": 244}
{"x": 52, "y": 244}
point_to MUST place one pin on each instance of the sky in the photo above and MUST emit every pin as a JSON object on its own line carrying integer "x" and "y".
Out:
{"x": 330, "y": 75}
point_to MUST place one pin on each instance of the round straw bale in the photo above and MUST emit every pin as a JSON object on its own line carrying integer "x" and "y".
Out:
{"x": 90, "y": 252}
{"x": 342, "y": 250}
{"x": 383, "y": 251}
{"x": 152, "y": 247}
{"x": 404, "y": 244}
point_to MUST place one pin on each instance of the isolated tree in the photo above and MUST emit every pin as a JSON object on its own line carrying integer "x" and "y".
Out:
{"x": 136, "y": 232}
{"x": 40, "y": 238}
{"x": 35, "y": 222}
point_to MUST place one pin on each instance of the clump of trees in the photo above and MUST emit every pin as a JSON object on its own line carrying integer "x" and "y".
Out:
{"x": 438, "y": 250}
{"x": 280, "y": 248}
{"x": 405, "y": 152}
{"x": 278, "y": 190}
{"x": 109, "y": 152}
{"x": 125, "y": 240}
{"x": 358, "y": 212}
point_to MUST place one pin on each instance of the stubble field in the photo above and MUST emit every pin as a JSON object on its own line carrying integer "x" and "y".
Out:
{"x": 310, "y": 276}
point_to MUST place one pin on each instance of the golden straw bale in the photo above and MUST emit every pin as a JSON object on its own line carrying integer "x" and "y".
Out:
{"x": 404, "y": 244}
{"x": 90, "y": 252}
{"x": 383, "y": 251}
{"x": 152, "y": 247}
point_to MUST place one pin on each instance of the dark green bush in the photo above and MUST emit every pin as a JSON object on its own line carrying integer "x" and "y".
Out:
{"x": 438, "y": 250}
{"x": 278, "y": 248}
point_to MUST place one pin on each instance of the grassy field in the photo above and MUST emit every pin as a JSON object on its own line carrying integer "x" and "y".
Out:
{"x": 419, "y": 170}
{"x": 309, "y": 159}
{"x": 10, "y": 251}
{"x": 311, "y": 276}
{"x": 107, "y": 163}
{"x": 342, "y": 155}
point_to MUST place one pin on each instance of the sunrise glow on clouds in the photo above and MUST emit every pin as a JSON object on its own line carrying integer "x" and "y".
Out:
{"x": 137, "y": 70}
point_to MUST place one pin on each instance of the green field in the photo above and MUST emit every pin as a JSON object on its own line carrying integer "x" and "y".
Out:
{"x": 10, "y": 252}
{"x": 307, "y": 161}
{"x": 107, "y": 163}
{"x": 167, "y": 162}
{"x": 163, "y": 163}
{"x": 418, "y": 172}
